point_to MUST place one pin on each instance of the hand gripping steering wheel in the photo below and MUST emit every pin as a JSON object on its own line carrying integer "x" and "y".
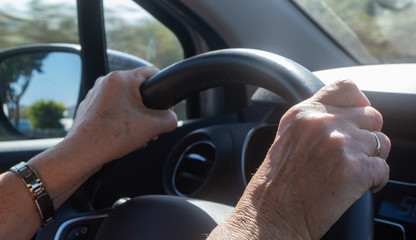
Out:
{"x": 168, "y": 217}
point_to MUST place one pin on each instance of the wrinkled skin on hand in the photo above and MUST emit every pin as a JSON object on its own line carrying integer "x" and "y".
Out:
{"x": 322, "y": 160}
{"x": 111, "y": 122}
{"x": 113, "y": 118}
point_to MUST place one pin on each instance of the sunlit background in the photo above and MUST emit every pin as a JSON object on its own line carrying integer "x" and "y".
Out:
{"x": 129, "y": 29}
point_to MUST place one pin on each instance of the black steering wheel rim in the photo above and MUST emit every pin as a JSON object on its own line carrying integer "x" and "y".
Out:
{"x": 263, "y": 69}
{"x": 232, "y": 66}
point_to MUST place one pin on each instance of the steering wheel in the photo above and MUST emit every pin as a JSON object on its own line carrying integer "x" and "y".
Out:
{"x": 169, "y": 217}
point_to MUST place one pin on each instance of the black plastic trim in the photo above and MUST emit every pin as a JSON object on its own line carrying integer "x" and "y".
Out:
{"x": 229, "y": 67}
{"x": 93, "y": 43}
{"x": 72, "y": 223}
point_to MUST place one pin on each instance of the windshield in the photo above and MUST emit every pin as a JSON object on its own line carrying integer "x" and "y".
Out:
{"x": 372, "y": 31}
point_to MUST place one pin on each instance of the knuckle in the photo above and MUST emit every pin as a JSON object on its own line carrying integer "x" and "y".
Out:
{"x": 346, "y": 85}
{"x": 294, "y": 111}
{"x": 321, "y": 123}
{"x": 114, "y": 78}
{"x": 318, "y": 125}
{"x": 334, "y": 144}
{"x": 290, "y": 116}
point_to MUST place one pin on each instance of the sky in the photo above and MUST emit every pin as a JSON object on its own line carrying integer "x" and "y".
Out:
{"x": 129, "y": 8}
{"x": 61, "y": 80}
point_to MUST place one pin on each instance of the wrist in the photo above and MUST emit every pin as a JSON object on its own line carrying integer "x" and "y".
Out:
{"x": 87, "y": 140}
{"x": 261, "y": 216}
{"x": 102, "y": 145}
{"x": 64, "y": 167}
{"x": 40, "y": 196}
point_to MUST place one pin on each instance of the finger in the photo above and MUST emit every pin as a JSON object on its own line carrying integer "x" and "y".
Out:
{"x": 372, "y": 144}
{"x": 167, "y": 121}
{"x": 375, "y": 165}
{"x": 367, "y": 118}
{"x": 380, "y": 173}
{"x": 144, "y": 73}
{"x": 342, "y": 93}
{"x": 379, "y": 145}
{"x": 363, "y": 144}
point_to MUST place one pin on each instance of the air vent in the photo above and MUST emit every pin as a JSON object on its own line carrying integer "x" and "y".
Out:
{"x": 193, "y": 168}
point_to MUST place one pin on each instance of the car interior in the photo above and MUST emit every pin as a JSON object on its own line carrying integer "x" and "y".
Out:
{"x": 230, "y": 69}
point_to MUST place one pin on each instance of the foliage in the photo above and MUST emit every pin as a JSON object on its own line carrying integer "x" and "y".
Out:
{"x": 40, "y": 23}
{"x": 370, "y": 30}
{"x": 45, "y": 22}
{"x": 146, "y": 38}
{"x": 15, "y": 75}
{"x": 45, "y": 114}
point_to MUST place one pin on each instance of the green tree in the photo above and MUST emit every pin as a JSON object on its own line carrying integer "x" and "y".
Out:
{"x": 45, "y": 114}
{"x": 15, "y": 75}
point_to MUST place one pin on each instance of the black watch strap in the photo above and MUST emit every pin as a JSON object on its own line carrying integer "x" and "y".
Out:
{"x": 43, "y": 202}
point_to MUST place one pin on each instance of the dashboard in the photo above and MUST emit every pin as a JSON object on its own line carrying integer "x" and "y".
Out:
{"x": 214, "y": 158}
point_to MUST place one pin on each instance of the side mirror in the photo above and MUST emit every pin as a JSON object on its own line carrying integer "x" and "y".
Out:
{"x": 40, "y": 85}
{"x": 39, "y": 88}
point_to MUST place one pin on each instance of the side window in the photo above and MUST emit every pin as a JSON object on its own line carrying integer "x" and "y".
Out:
{"x": 27, "y": 22}
{"x": 131, "y": 29}
{"x": 373, "y": 31}
{"x": 39, "y": 88}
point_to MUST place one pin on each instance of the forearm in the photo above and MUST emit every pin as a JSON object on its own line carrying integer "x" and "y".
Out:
{"x": 19, "y": 218}
{"x": 65, "y": 167}
{"x": 110, "y": 122}
{"x": 242, "y": 226}
{"x": 237, "y": 227}
{"x": 253, "y": 219}
{"x": 62, "y": 169}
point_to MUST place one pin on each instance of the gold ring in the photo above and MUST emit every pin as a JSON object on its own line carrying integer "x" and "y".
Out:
{"x": 378, "y": 148}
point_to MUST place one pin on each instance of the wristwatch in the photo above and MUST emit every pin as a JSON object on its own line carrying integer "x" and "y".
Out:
{"x": 43, "y": 202}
